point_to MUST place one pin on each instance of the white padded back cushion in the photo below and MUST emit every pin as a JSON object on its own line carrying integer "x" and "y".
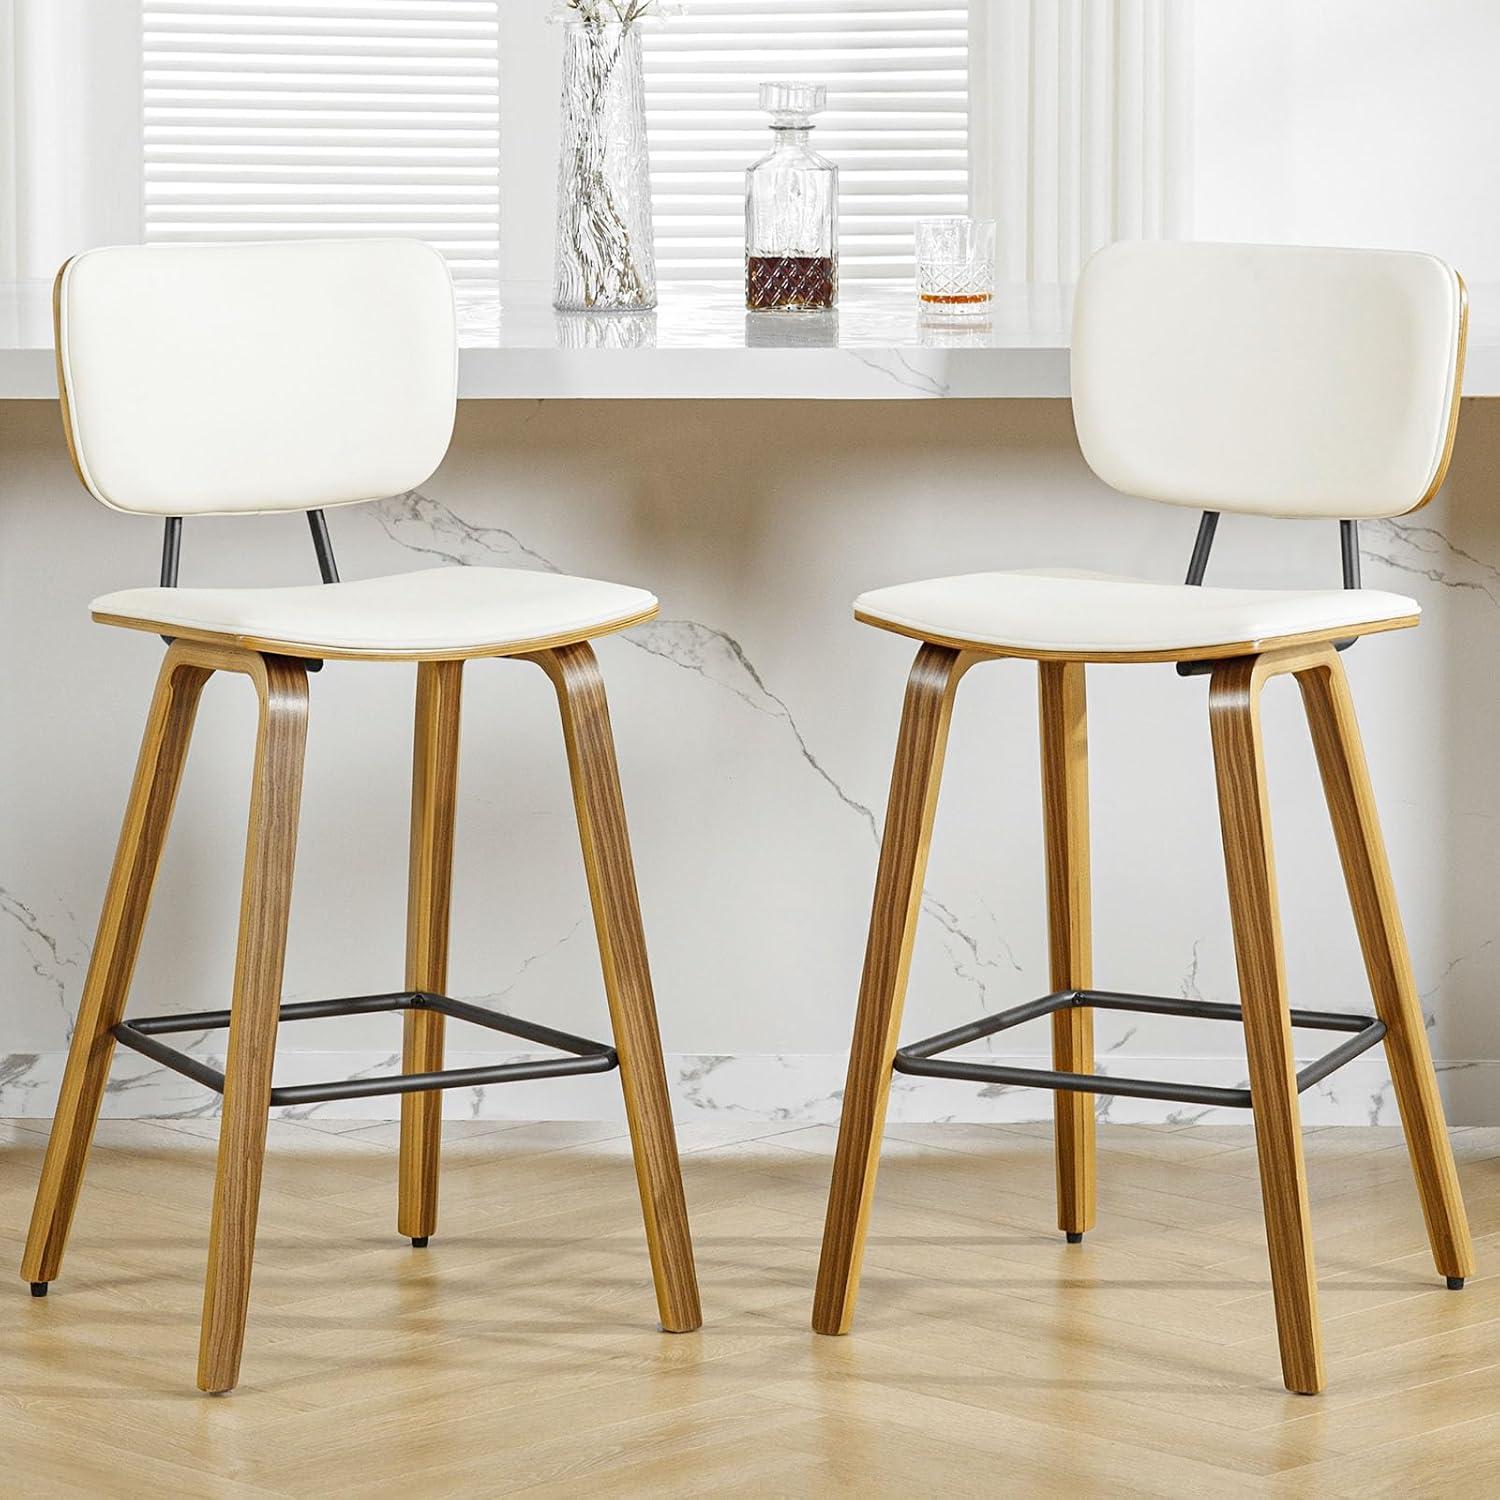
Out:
{"x": 1268, "y": 378}
{"x": 204, "y": 379}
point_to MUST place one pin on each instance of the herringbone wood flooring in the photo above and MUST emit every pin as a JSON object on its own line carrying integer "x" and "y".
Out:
{"x": 519, "y": 1352}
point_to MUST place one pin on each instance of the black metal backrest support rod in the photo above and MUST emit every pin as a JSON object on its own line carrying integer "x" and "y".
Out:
{"x": 1203, "y": 544}
{"x": 317, "y": 522}
{"x": 1208, "y": 524}
{"x": 171, "y": 551}
{"x": 171, "y": 556}
{"x": 1349, "y": 552}
{"x": 1349, "y": 547}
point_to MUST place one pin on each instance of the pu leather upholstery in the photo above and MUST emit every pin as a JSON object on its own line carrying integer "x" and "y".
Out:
{"x": 210, "y": 379}
{"x": 1282, "y": 380}
{"x": 1264, "y": 378}
{"x": 1099, "y": 614}
{"x": 432, "y": 613}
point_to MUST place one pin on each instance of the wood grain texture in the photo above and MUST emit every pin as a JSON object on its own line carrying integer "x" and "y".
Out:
{"x": 64, "y": 404}
{"x": 1382, "y": 939}
{"x": 610, "y": 870}
{"x": 316, "y": 651}
{"x": 265, "y": 904}
{"x": 148, "y": 815}
{"x": 1063, "y": 717}
{"x": 915, "y": 780}
{"x": 1222, "y": 652}
{"x": 515, "y": 1361}
{"x": 1244, "y": 812}
{"x": 434, "y": 808}
{"x": 1441, "y": 473}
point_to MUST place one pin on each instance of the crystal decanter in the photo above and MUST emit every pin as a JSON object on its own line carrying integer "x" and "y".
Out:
{"x": 791, "y": 210}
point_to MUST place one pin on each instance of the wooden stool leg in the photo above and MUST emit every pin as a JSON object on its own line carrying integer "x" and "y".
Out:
{"x": 148, "y": 814}
{"x": 434, "y": 801}
{"x": 270, "y": 849}
{"x": 1372, "y": 894}
{"x": 1244, "y": 812}
{"x": 627, "y": 977}
{"x": 1065, "y": 807}
{"x": 915, "y": 779}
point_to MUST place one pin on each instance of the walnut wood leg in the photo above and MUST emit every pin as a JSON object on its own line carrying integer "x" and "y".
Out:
{"x": 1372, "y": 894}
{"x": 148, "y": 814}
{"x": 434, "y": 800}
{"x": 1065, "y": 806}
{"x": 627, "y": 977}
{"x": 1234, "y": 716}
{"x": 915, "y": 778}
{"x": 270, "y": 849}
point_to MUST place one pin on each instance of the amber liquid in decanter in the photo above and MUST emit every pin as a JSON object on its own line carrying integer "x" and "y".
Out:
{"x": 782, "y": 282}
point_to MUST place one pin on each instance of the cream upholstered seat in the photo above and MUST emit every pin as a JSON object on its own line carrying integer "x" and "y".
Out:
{"x": 1268, "y": 379}
{"x": 1098, "y": 615}
{"x": 327, "y": 378}
{"x": 432, "y": 613}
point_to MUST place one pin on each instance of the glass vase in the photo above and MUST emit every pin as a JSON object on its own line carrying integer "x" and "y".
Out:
{"x": 606, "y": 256}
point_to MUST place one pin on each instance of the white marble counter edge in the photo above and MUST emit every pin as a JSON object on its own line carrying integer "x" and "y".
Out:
{"x": 489, "y": 374}
{"x": 905, "y": 374}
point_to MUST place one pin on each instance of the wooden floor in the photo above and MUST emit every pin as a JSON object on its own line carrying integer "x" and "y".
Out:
{"x": 519, "y": 1352}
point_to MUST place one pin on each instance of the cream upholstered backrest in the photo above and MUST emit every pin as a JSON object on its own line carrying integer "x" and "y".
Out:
{"x": 212, "y": 379}
{"x": 1276, "y": 379}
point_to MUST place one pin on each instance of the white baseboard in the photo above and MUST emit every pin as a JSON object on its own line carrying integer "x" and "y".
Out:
{"x": 796, "y": 1088}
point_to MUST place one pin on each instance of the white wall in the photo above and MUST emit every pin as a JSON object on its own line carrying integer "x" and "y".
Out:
{"x": 1358, "y": 122}
{"x": 756, "y": 723}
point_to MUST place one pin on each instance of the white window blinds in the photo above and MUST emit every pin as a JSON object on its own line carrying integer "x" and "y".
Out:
{"x": 281, "y": 119}
{"x": 897, "y": 122}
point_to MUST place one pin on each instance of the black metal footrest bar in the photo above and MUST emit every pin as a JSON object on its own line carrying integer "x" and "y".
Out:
{"x": 582, "y": 1055}
{"x": 923, "y": 1058}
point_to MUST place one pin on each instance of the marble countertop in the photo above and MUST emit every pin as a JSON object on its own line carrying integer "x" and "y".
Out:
{"x": 701, "y": 343}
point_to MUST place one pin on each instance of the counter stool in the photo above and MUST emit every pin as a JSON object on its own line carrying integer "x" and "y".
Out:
{"x": 1262, "y": 379}
{"x": 212, "y": 380}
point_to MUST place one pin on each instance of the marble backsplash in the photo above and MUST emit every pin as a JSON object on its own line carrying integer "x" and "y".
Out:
{"x": 755, "y": 725}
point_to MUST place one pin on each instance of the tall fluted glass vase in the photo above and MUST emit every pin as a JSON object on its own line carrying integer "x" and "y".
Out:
{"x": 606, "y": 256}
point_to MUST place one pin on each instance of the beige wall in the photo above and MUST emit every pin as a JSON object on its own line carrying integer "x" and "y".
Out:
{"x": 755, "y": 723}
